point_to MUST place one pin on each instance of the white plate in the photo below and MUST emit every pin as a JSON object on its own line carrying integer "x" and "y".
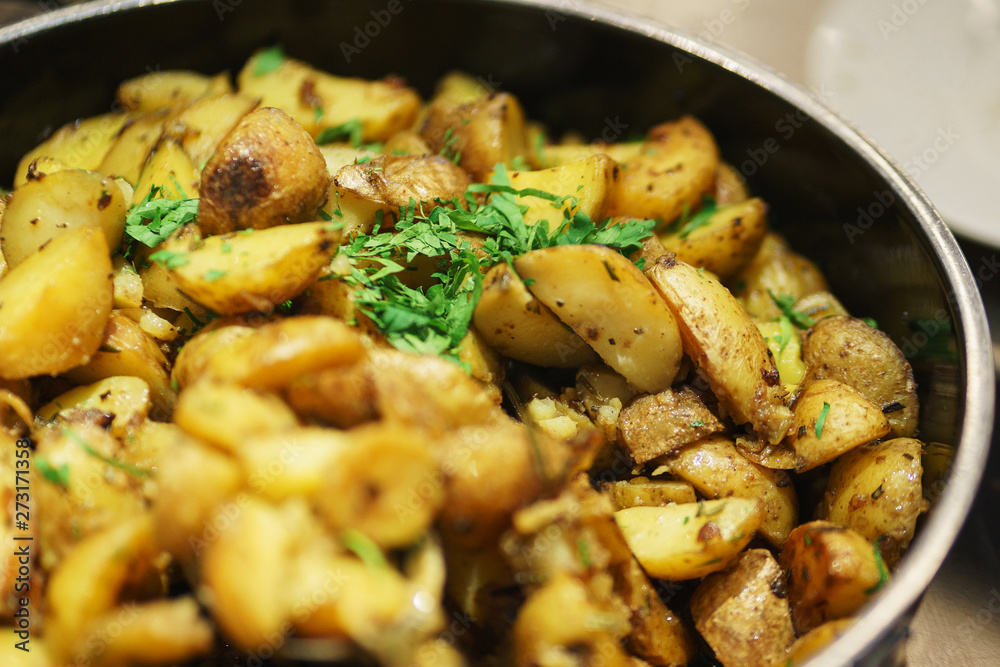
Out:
{"x": 922, "y": 77}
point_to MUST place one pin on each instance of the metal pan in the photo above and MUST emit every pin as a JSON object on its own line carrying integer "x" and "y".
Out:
{"x": 836, "y": 197}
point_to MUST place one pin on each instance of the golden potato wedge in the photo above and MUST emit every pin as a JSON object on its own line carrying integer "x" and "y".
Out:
{"x": 519, "y": 326}
{"x": 604, "y": 392}
{"x": 161, "y": 631}
{"x": 830, "y": 419}
{"x": 407, "y": 142}
{"x": 338, "y": 155}
{"x": 170, "y": 89}
{"x": 832, "y": 572}
{"x": 775, "y": 269}
{"x": 267, "y": 171}
{"x": 605, "y": 299}
{"x": 727, "y": 241}
{"x": 277, "y": 353}
{"x": 816, "y": 640}
{"x": 125, "y": 349}
{"x": 228, "y": 415}
{"x": 726, "y": 346}
{"x": 125, "y": 398}
{"x": 88, "y": 582}
{"x": 131, "y": 147}
{"x": 645, "y": 492}
{"x": 655, "y": 424}
{"x": 54, "y": 305}
{"x": 658, "y": 634}
{"x": 168, "y": 168}
{"x": 46, "y": 207}
{"x": 81, "y": 144}
{"x": 559, "y": 154}
{"x": 201, "y": 127}
{"x": 851, "y": 351}
{"x": 319, "y": 101}
{"x": 253, "y": 270}
{"x": 818, "y": 305}
{"x": 479, "y": 134}
{"x": 717, "y": 470}
{"x": 460, "y": 87}
{"x": 126, "y": 284}
{"x": 730, "y": 188}
{"x": 589, "y": 183}
{"x": 690, "y": 540}
{"x": 742, "y": 612}
{"x": 676, "y": 166}
{"x": 396, "y": 180}
{"x": 876, "y": 490}
{"x": 554, "y": 417}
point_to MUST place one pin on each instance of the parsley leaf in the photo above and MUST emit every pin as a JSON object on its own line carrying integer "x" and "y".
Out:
{"x": 700, "y": 219}
{"x": 154, "y": 219}
{"x": 363, "y": 547}
{"x": 269, "y": 60}
{"x": 883, "y": 571}
{"x": 786, "y": 303}
{"x": 821, "y": 420}
{"x": 58, "y": 475}
{"x": 786, "y": 333}
{"x": 133, "y": 470}
{"x": 169, "y": 259}
{"x": 351, "y": 130}
{"x": 213, "y": 275}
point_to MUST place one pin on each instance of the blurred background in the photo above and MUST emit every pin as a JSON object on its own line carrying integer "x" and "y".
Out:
{"x": 921, "y": 78}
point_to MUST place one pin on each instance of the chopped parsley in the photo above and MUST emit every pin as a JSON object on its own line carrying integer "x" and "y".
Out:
{"x": 154, "y": 219}
{"x": 448, "y": 147}
{"x": 363, "y": 547}
{"x": 434, "y": 320}
{"x": 350, "y": 130}
{"x": 786, "y": 333}
{"x": 786, "y": 304}
{"x": 213, "y": 275}
{"x": 821, "y": 420}
{"x": 169, "y": 259}
{"x": 583, "y": 551}
{"x": 883, "y": 571}
{"x": 269, "y": 60}
{"x": 688, "y": 223}
{"x": 133, "y": 470}
{"x": 870, "y": 322}
{"x": 697, "y": 423}
{"x": 58, "y": 475}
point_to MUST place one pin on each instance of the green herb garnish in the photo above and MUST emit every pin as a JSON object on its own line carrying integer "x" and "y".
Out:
{"x": 154, "y": 219}
{"x": 269, "y": 60}
{"x": 883, "y": 571}
{"x": 786, "y": 303}
{"x": 350, "y": 130}
{"x": 213, "y": 275}
{"x": 786, "y": 333}
{"x": 583, "y": 551}
{"x": 169, "y": 259}
{"x": 58, "y": 475}
{"x": 364, "y": 548}
{"x": 133, "y": 470}
{"x": 821, "y": 420}
{"x": 700, "y": 219}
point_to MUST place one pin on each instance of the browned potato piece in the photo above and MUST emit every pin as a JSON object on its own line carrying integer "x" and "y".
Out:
{"x": 128, "y": 153}
{"x": 519, "y": 326}
{"x": 654, "y": 424}
{"x": 170, "y": 89}
{"x": 718, "y": 470}
{"x": 266, "y": 172}
{"x": 645, "y": 492}
{"x": 128, "y": 350}
{"x": 727, "y": 347}
{"x": 819, "y": 305}
{"x": 159, "y": 632}
{"x": 589, "y": 182}
{"x": 816, "y": 640}
{"x": 394, "y": 180}
{"x": 477, "y": 134}
{"x": 832, "y": 571}
{"x": 775, "y": 268}
{"x": 81, "y": 144}
{"x": 726, "y": 243}
{"x": 742, "y": 612}
{"x": 830, "y": 419}
{"x": 730, "y": 188}
{"x": 849, "y": 350}
{"x": 200, "y": 127}
{"x": 54, "y": 305}
{"x": 876, "y": 490}
{"x": 675, "y": 168}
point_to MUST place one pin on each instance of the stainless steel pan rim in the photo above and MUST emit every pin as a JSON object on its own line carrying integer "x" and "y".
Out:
{"x": 941, "y": 529}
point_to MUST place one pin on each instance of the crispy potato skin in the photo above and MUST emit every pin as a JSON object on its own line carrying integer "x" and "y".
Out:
{"x": 266, "y": 172}
{"x": 849, "y": 350}
{"x": 775, "y": 268}
{"x": 655, "y": 424}
{"x": 394, "y": 180}
{"x": 742, "y": 612}
{"x": 876, "y": 490}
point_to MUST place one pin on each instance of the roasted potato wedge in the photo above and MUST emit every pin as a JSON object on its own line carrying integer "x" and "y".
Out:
{"x": 832, "y": 572}
{"x": 81, "y": 144}
{"x": 676, "y": 166}
{"x": 200, "y": 127}
{"x": 127, "y": 155}
{"x": 54, "y": 305}
{"x": 589, "y": 183}
{"x": 168, "y": 168}
{"x": 690, "y": 540}
{"x": 717, "y": 470}
{"x": 876, "y": 490}
{"x": 775, "y": 269}
{"x": 396, "y": 180}
{"x": 645, "y": 492}
{"x": 655, "y": 424}
{"x": 170, "y": 89}
{"x": 267, "y": 171}
{"x": 46, "y": 207}
{"x": 519, "y": 326}
{"x": 604, "y": 298}
{"x": 742, "y": 612}
{"x": 849, "y": 350}
{"x": 726, "y": 346}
